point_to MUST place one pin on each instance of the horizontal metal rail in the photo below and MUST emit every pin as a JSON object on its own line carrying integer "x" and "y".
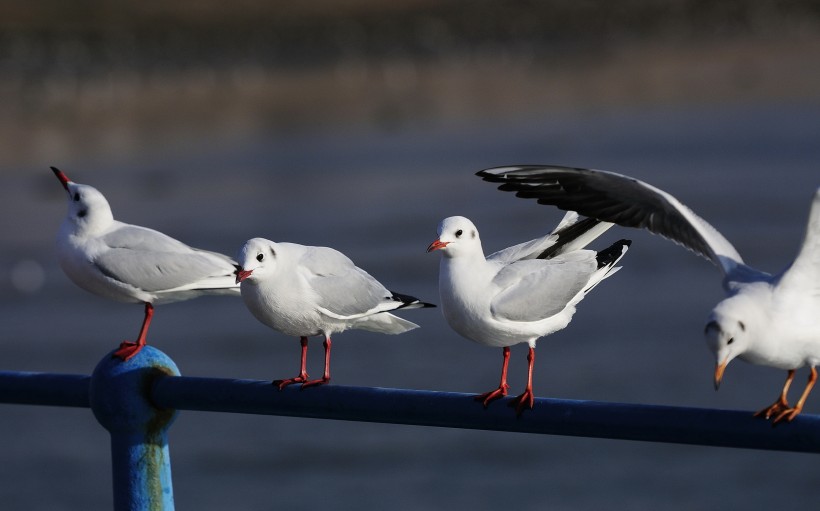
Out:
{"x": 709, "y": 427}
{"x": 47, "y": 389}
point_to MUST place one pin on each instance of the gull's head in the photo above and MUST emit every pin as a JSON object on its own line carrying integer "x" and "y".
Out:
{"x": 456, "y": 236}
{"x": 256, "y": 258}
{"x": 727, "y": 337}
{"x": 88, "y": 210}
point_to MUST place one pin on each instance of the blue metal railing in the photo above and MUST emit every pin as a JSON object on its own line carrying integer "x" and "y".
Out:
{"x": 137, "y": 401}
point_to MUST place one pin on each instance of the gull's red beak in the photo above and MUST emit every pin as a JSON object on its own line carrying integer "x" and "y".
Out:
{"x": 62, "y": 177}
{"x": 242, "y": 274}
{"x": 437, "y": 245}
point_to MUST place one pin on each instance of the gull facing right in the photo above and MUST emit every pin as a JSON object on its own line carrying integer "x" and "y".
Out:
{"x": 770, "y": 320}
{"x": 521, "y": 293}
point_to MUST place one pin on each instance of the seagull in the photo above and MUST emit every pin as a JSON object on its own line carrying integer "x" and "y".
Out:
{"x": 770, "y": 320}
{"x": 521, "y": 293}
{"x": 305, "y": 291}
{"x": 134, "y": 264}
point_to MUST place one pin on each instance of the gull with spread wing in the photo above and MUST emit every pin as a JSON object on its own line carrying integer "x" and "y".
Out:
{"x": 771, "y": 320}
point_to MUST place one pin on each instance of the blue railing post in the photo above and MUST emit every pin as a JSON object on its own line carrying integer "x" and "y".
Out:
{"x": 119, "y": 397}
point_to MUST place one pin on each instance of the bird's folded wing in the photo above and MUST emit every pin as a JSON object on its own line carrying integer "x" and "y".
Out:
{"x": 341, "y": 289}
{"x": 154, "y": 271}
{"x": 538, "y": 289}
{"x": 152, "y": 261}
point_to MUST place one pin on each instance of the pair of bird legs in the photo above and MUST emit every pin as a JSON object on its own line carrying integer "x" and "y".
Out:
{"x": 526, "y": 399}
{"x": 302, "y": 377}
{"x": 780, "y": 409}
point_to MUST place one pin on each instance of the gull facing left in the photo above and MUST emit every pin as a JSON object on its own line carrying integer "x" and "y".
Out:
{"x": 129, "y": 263}
{"x": 306, "y": 291}
{"x": 521, "y": 293}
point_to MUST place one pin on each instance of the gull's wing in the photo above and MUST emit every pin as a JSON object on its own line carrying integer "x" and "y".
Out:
{"x": 536, "y": 289}
{"x": 572, "y": 233}
{"x": 619, "y": 199}
{"x": 342, "y": 289}
{"x": 154, "y": 262}
{"x": 804, "y": 272}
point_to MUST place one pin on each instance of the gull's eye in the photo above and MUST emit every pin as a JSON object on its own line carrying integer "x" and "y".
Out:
{"x": 731, "y": 340}
{"x": 259, "y": 257}
{"x": 77, "y": 197}
{"x": 459, "y": 233}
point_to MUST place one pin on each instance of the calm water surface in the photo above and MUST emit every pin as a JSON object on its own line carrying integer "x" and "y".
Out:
{"x": 748, "y": 169}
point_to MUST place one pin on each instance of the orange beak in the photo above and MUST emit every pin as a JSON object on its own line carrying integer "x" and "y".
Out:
{"x": 437, "y": 245}
{"x": 719, "y": 368}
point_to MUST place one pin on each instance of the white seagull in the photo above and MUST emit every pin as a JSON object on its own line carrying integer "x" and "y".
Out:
{"x": 771, "y": 320}
{"x": 521, "y": 293}
{"x": 129, "y": 263}
{"x": 307, "y": 291}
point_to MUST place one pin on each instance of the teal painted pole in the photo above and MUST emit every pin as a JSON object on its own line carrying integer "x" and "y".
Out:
{"x": 119, "y": 397}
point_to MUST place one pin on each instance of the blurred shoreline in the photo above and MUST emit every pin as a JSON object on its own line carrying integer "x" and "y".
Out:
{"x": 113, "y": 82}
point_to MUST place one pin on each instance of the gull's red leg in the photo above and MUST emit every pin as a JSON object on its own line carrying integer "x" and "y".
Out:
{"x": 303, "y": 376}
{"x": 782, "y": 404}
{"x": 326, "y": 377}
{"x": 527, "y": 398}
{"x": 791, "y": 413}
{"x": 127, "y": 348}
{"x": 502, "y": 389}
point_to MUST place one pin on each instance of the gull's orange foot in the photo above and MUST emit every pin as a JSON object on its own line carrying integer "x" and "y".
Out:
{"x": 127, "y": 350}
{"x": 281, "y": 384}
{"x": 787, "y": 415}
{"x": 774, "y": 410}
{"x": 525, "y": 400}
{"x": 489, "y": 397}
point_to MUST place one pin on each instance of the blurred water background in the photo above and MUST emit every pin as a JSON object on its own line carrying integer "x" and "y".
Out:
{"x": 359, "y": 124}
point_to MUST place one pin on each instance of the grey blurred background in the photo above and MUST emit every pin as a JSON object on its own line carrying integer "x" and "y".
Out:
{"x": 359, "y": 124}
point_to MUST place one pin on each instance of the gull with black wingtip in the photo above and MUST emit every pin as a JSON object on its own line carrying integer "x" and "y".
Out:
{"x": 521, "y": 293}
{"x": 306, "y": 291}
{"x": 770, "y": 320}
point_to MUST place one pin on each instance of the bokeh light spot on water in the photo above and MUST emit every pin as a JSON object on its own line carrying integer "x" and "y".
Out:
{"x": 27, "y": 276}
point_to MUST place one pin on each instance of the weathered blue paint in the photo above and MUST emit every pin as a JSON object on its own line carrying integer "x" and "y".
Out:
{"x": 120, "y": 399}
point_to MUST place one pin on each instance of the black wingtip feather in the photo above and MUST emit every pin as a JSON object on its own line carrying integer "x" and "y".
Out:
{"x": 408, "y": 301}
{"x": 611, "y": 254}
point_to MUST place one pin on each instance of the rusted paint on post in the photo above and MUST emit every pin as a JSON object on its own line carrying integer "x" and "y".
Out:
{"x": 119, "y": 396}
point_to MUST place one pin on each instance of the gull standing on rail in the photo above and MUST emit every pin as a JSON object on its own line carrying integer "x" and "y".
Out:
{"x": 307, "y": 291}
{"x": 129, "y": 263}
{"x": 771, "y": 320}
{"x": 521, "y": 293}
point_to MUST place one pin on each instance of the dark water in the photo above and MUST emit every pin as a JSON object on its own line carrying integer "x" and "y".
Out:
{"x": 749, "y": 169}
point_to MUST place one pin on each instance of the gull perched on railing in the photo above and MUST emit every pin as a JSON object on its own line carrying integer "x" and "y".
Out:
{"x": 129, "y": 263}
{"x": 306, "y": 291}
{"x": 521, "y": 293}
{"x": 771, "y": 320}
